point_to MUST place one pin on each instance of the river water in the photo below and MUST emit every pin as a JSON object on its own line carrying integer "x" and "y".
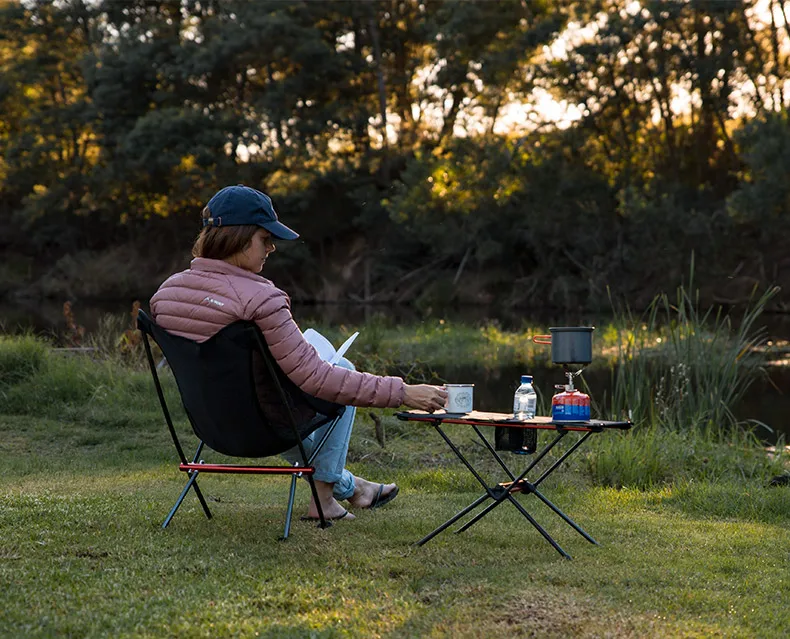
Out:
{"x": 768, "y": 400}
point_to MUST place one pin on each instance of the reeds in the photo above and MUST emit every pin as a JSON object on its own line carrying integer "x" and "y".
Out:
{"x": 681, "y": 368}
{"x": 678, "y": 373}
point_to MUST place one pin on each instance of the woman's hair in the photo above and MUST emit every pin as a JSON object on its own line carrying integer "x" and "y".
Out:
{"x": 220, "y": 242}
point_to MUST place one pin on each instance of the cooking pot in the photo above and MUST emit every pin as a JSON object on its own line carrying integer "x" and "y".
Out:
{"x": 569, "y": 344}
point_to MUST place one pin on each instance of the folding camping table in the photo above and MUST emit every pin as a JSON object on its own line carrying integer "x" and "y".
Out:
{"x": 504, "y": 491}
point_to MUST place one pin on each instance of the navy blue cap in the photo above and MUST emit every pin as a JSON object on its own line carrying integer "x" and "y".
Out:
{"x": 237, "y": 205}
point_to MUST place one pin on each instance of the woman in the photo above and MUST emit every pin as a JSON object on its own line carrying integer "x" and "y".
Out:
{"x": 222, "y": 285}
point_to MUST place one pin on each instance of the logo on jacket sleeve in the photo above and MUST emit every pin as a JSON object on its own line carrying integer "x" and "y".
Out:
{"x": 211, "y": 300}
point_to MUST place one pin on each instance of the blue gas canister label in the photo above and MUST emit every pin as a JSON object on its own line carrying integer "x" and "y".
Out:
{"x": 570, "y": 406}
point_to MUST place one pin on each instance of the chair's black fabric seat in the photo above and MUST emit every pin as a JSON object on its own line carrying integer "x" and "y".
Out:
{"x": 217, "y": 382}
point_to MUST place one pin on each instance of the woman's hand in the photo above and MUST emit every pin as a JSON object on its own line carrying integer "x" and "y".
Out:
{"x": 424, "y": 396}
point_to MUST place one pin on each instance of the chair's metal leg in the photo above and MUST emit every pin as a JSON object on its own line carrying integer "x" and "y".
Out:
{"x": 201, "y": 500}
{"x": 195, "y": 484}
{"x": 317, "y": 448}
{"x": 308, "y": 461}
{"x": 323, "y": 522}
{"x": 190, "y": 482}
{"x": 290, "y": 510}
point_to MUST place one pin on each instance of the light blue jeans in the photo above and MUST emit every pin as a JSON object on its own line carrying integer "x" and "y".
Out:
{"x": 331, "y": 460}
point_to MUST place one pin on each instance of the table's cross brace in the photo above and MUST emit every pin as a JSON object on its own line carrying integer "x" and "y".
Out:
{"x": 520, "y": 482}
{"x": 491, "y": 450}
{"x": 564, "y": 456}
{"x": 459, "y": 454}
{"x": 506, "y": 489}
{"x": 498, "y": 494}
{"x": 526, "y": 486}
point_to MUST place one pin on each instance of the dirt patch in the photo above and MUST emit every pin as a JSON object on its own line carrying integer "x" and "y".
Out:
{"x": 566, "y": 615}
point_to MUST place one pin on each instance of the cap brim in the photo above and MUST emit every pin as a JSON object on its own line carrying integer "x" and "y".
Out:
{"x": 280, "y": 231}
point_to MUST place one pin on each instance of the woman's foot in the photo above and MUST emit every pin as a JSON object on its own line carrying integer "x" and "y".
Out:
{"x": 332, "y": 510}
{"x": 331, "y": 507}
{"x": 368, "y": 494}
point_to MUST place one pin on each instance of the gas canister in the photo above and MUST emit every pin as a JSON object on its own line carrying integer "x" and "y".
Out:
{"x": 570, "y": 406}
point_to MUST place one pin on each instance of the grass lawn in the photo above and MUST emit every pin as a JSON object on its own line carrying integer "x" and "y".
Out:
{"x": 84, "y": 489}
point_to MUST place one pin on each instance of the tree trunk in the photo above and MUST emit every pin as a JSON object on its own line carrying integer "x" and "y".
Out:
{"x": 374, "y": 34}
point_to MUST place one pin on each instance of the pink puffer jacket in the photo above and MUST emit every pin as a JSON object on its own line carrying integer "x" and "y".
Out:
{"x": 211, "y": 294}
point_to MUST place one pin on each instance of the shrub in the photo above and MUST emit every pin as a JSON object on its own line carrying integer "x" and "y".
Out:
{"x": 653, "y": 455}
{"x": 20, "y": 358}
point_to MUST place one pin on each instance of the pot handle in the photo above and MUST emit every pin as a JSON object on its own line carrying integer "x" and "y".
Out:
{"x": 542, "y": 339}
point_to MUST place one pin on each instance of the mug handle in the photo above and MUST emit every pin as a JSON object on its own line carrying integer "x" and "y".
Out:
{"x": 542, "y": 339}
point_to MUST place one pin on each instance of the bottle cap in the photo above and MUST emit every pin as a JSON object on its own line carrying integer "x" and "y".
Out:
{"x": 526, "y": 379}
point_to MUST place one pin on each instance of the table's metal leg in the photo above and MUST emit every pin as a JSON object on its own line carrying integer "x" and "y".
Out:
{"x": 518, "y": 479}
{"x": 564, "y": 456}
{"x": 524, "y": 512}
{"x": 455, "y": 518}
{"x": 539, "y": 528}
{"x": 531, "y": 488}
{"x": 500, "y": 494}
{"x": 568, "y": 520}
{"x": 469, "y": 466}
{"x": 479, "y": 516}
{"x": 492, "y": 450}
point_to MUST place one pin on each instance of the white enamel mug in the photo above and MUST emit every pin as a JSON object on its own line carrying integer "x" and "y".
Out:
{"x": 459, "y": 398}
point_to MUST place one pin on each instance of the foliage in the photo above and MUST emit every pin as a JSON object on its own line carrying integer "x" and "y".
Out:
{"x": 382, "y": 131}
{"x": 93, "y": 423}
{"x": 651, "y": 456}
{"x": 677, "y": 374}
{"x": 759, "y": 204}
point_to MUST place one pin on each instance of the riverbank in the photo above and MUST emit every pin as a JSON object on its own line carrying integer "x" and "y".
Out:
{"x": 492, "y": 353}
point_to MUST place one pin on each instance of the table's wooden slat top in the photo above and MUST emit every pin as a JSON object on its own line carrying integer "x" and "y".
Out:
{"x": 480, "y": 418}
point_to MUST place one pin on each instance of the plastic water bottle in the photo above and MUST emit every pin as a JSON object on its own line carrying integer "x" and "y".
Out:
{"x": 525, "y": 400}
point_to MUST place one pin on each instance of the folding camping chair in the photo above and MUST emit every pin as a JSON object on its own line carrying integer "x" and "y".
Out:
{"x": 217, "y": 381}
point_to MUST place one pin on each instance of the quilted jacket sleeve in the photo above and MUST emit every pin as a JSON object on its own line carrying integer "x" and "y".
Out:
{"x": 271, "y": 311}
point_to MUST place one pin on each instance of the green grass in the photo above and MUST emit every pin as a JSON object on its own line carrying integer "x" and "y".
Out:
{"x": 435, "y": 345}
{"x": 693, "y": 542}
{"x": 82, "y": 553}
{"x": 87, "y": 474}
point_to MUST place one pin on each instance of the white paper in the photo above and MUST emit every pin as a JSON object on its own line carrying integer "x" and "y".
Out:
{"x": 343, "y": 348}
{"x": 324, "y": 347}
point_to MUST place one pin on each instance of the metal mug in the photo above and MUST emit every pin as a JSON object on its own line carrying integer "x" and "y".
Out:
{"x": 460, "y": 398}
{"x": 569, "y": 344}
